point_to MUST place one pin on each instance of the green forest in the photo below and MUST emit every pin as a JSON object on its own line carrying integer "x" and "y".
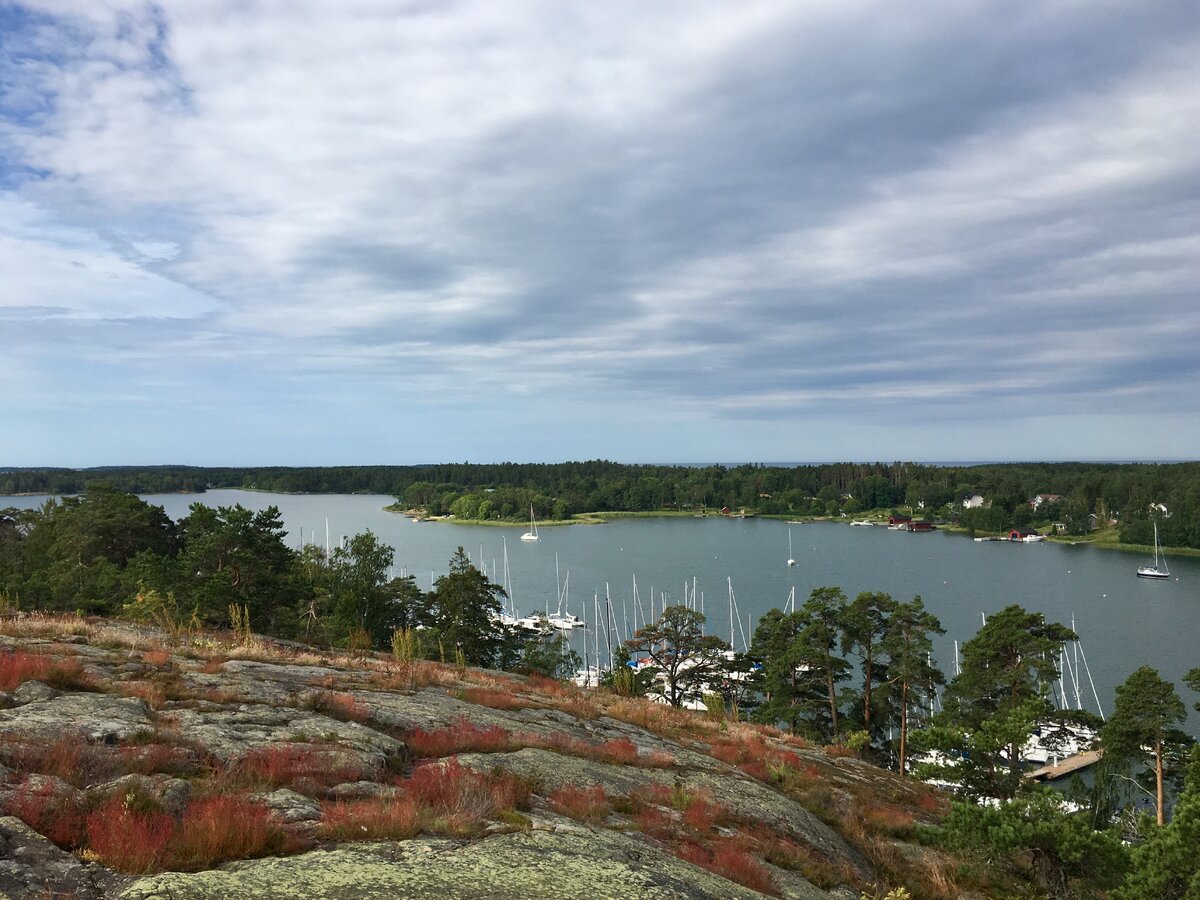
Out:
{"x": 852, "y": 672}
{"x": 1132, "y": 497}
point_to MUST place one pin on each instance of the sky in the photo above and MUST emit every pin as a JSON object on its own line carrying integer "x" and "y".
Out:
{"x": 236, "y": 232}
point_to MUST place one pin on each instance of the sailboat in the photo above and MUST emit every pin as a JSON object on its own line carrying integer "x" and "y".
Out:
{"x": 791, "y": 559}
{"x": 1154, "y": 571}
{"x": 531, "y": 534}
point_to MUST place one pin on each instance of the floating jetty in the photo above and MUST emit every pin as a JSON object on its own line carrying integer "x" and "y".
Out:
{"x": 1066, "y": 766}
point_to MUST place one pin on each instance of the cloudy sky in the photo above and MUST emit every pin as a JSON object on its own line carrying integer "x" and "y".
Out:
{"x": 304, "y": 232}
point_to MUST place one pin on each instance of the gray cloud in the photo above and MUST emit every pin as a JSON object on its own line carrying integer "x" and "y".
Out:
{"x": 957, "y": 220}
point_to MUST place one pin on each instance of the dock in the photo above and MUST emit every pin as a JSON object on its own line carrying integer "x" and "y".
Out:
{"x": 1066, "y": 766}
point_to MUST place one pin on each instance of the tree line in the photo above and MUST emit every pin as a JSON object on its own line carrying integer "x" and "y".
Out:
{"x": 1131, "y": 494}
{"x": 856, "y": 672}
{"x": 860, "y": 673}
{"x": 109, "y": 553}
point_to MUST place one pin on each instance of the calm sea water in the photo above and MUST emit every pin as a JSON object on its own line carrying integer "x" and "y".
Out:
{"x": 1124, "y": 621}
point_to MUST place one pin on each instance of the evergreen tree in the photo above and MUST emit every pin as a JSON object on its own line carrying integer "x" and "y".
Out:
{"x": 1144, "y": 719}
{"x": 908, "y": 643}
{"x": 793, "y": 692}
{"x": 823, "y": 613}
{"x": 1166, "y": 865}
{"x": 465, "y": 612}
{"x": 864, "y": 625}
{"x": 993, "y": 706}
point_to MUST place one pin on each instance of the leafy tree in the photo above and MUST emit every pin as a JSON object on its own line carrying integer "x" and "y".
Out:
{"x": 908, "y": 643}
{"x": 682, "y": 655}
{"x": 1145, "y": 715}
{"x": 465, "y": 611}
{"x": 735, "y": 683}
{"x": 993, "y": 706}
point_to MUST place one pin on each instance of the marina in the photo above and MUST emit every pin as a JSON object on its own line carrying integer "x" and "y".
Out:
{"x": 1124, "y": 621}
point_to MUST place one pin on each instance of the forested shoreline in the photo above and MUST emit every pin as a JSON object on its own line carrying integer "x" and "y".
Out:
{"x": 1084, "y": 496}
{"x": 853, "y": 672}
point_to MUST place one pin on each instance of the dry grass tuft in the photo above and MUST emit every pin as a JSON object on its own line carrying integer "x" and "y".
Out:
{"x": 64, "y": 673}
{"x": 460, "y": 737}
{"x": 372, "y": 819}
{"x": 731, "y": 861}
{"x": 157, "y": 658}
{"x": 459, "y": 799}
{"x": 56, "y": 817}
{"x": 582, "y": 804}
{"x": 494, "y": 699}
{"x": 283, "y": 765}
{"x": 213, "y": 830}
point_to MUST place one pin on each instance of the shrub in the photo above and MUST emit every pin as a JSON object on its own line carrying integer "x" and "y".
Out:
{"x": 494, "y": 699}
{"x": 215, "y": 829}
{"x": 127, "y": 839}
{"x": 702, "y": 814}
{"x": 461, "y": 798}
{"x": 153, "y": 759}
{"x": 156, "y": 658}
{"x": 49, "y": 813}
{"x": 583, "y": 804}
{"x": 732, "y": 862}
{"x": 654, "y": 822}
{"x": 729, "y": 860}
{"x": 889, "y": 820}
{"x": 460, "y": 737}
{"x": 154, "y": 694}
{"x": 70, "y": 758}
{"x": 620, "y": 751}
{"x": 18, "y": 667}
{"x": 279, "y": 765}
{"x": 341, "y": 706}
{"x": 375, "y": 818}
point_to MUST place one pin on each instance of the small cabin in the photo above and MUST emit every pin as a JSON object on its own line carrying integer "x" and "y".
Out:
{"x": 897, "y": 519}
{"x": 921, "y": 526}
{"x": 1019, "y": 534}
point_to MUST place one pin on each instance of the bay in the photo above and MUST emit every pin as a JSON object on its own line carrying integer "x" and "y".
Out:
{"x": 1124, "y": 621}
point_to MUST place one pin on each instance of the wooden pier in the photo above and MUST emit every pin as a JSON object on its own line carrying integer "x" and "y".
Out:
{"x": 1066, "y": 766}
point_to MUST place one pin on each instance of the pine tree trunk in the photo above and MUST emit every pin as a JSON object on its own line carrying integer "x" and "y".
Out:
{"x": 1158, "y": 777}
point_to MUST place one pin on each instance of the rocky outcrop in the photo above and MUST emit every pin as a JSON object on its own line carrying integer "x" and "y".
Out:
{"x": 168, "y": 727}
{"x": 570, "y": 861}
{"x": 31, "y": 866}
{"x": 98, "y": 718}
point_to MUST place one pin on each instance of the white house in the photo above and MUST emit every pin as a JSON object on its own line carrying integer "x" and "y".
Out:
{"x": 1044, "y": 498}
{"x": 975, "y": 501}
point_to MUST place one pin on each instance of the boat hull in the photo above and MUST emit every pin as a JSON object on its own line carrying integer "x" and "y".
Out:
{"x": 1152, "y": 573}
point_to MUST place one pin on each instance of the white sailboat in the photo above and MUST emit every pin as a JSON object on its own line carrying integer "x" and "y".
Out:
{"x": 791, "y": 559}
{"x": 1154, "y": 571}
{"x": 531, "y": 534}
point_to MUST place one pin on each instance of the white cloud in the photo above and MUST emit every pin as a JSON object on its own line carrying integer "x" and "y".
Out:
{"x": 772, "y": 207}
